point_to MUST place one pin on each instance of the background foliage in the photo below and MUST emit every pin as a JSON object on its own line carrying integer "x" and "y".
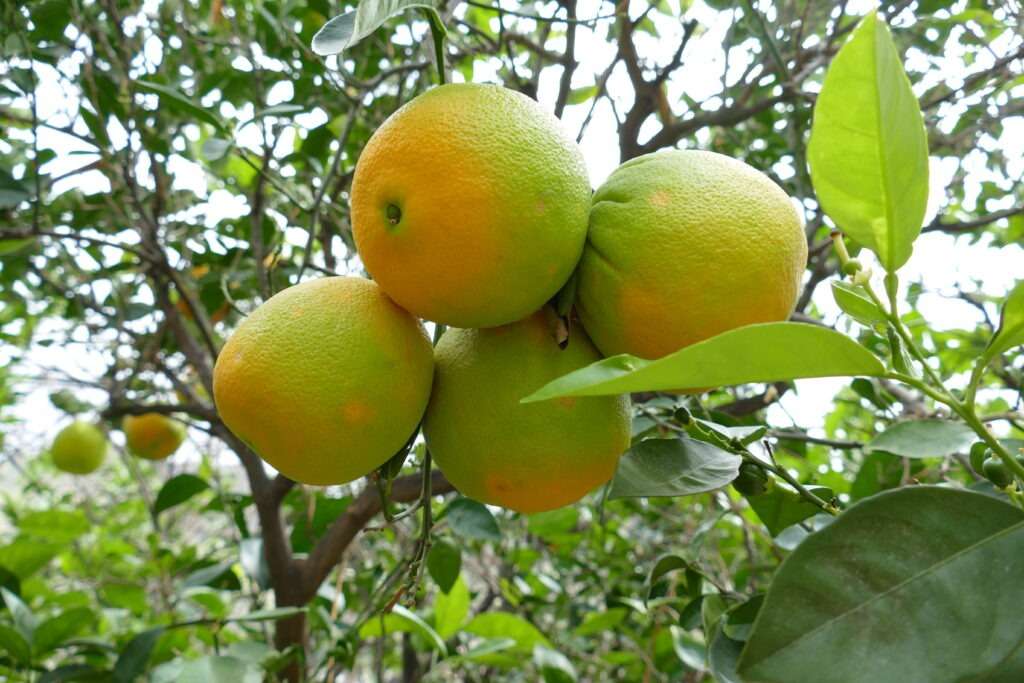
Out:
{"x": 167, "y": 165}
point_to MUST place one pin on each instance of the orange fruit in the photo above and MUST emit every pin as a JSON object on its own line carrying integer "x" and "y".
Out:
{"x": 469, "y": 205}
{"x": 525, "y": 457}
{"x": 685, "y": 245}
{"x": 152, "y": 436}
{"x": 79, "y": 448}
{"x": 326, "y": 380}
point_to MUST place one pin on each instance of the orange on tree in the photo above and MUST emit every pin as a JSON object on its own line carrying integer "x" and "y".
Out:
{"x": 469, "y": 205}
{"x": 152, "y": 436}
{"x": 685, "y": 245}
{"x": 526, "y": 457}
{"x": 79, "y": 448}
{"x": 326, "y": 380}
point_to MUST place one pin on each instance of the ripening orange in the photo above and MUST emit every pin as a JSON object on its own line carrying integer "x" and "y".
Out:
{"x": 79, "y": 448}
{"x": 469, "y": 205}
{"x": 152, "y": 436}
{"x": 526, "y": 457}
{"x": 685, "y": 245}
{"x": 326, "y": 380}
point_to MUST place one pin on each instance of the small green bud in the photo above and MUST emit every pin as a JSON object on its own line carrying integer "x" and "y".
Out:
{"x": 996, "y": 472}
{"x": 852, "y": 267}
{"x": 752, "y": 480}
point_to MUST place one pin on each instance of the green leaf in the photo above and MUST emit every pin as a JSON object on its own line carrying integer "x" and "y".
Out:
{"x": 723, "y": 654}
{"x": 471, "y": 519}
{"x": 874, "y": 595}
{"x": 344, "y": 31}
{"x": 553, "y": 665}
{"x": 25, "y": 556}
{"x": 21, "y": 615}
{"x": 765, "y": 352}
{"x": 177, "y": 490}
{"x": 598, "y": 622}
{"x": 581, "y": 95}
{"x": 868, "y": 150}
{"x": 402, "y": 620}
{"x": 444, "y": 562}
{"x": 663, "y": 566}
{"x": 451, "y": 609}
{"x": 12, "y": 192}
{"x": 15, "y": 644}
{"x": 1011, "y": 325}
{"x": 507, "y": 625}
{"x": 855, "y": 302}
{"x": 54, "y": 631}
{"x": 60, "y": 526}
{"x": 779, "y": 508}
{"x": 131, "y": 663}
{"x": 924, "y": 439}
{"x": 211, "y": 669}
{"x": 673, "y": 467}
{"x": 691, "y": 652}
{"x": 169, "y": 95}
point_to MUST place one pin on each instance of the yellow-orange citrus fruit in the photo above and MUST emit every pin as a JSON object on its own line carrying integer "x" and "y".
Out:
{"x": 469, "y": 205}
{"x": 79, "y": 448}
{"x": 525, "y": 457}
{"x": 685, "y": 245}
{"x": 151, "y": 435}
{"x": 326, "y": 380}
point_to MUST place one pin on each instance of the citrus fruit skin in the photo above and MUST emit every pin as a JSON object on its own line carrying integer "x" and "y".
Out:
{"x": 152, "y": 436}
{"x": 685, "y": 245}
{"x": 79, "y": 448}
{"x": 525, "y": 457}
{"x": 326, "y": 380}
{"x": 469, "y": 205}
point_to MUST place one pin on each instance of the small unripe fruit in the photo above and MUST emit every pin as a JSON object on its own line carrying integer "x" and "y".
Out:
{"x": 752, "y": 480}
{"x": 996, "y": 472}
{"x": 79, "y": 448}
{"x": 979, "y": 451}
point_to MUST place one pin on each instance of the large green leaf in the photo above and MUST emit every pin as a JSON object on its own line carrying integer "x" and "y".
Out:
{"x": 917, "y": 584}
{"x": 132, "y": 661}
{"x": 673, "y": 467}
{"x": 14, "y": 644}
{"x": 1011, "y": 324}
{"x": 471, "y": 519}
{"x": 868, "y": 151}
{"x": 765, "y": 352}
{"x": 444, "y": 562}
{"x": 402, "y": 620}
{"x": 54, "y": 631}
{"x": 923, "y": 439}
{"x": 344, "y": 31}
{"x": 210, "y": 669}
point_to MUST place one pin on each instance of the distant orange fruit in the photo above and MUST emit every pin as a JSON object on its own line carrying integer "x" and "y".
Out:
{"x": 152, "y": 436}
{"x": 469, "y": 205}
{"x": 685, "y": 245}
{"x": 79, "y": 448}
{"x": 525, "y": 457}
{"x": 326, "y": 380}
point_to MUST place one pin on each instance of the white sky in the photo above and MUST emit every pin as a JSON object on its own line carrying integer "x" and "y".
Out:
{"x": 941, "y": 262}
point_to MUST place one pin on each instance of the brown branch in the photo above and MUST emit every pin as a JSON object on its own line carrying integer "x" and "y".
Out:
{"x": 198, "y": 410}
{"x": 344, "y": 529}
{"x": 568, "y": 60}
{"x": 967, "y": 226}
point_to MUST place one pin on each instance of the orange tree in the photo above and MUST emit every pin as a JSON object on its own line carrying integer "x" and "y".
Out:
{"x": 167, "y": 166}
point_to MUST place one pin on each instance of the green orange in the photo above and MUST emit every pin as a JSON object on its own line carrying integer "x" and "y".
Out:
{"x": 152, "y": 436}
{"x": 326, "y": 380}
{"x": 469, "y": 205}
{"x": 685, "y": 245}
{"x": 525, "y": 457}
{"x": 79, "y": 448}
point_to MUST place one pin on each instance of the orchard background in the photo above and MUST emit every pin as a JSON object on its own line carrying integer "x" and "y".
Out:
{"x": 165, "y": 166}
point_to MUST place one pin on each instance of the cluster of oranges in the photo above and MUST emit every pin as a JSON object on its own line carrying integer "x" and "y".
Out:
{"x": 472, "y": 209}
{"x": 81, "y": 447}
